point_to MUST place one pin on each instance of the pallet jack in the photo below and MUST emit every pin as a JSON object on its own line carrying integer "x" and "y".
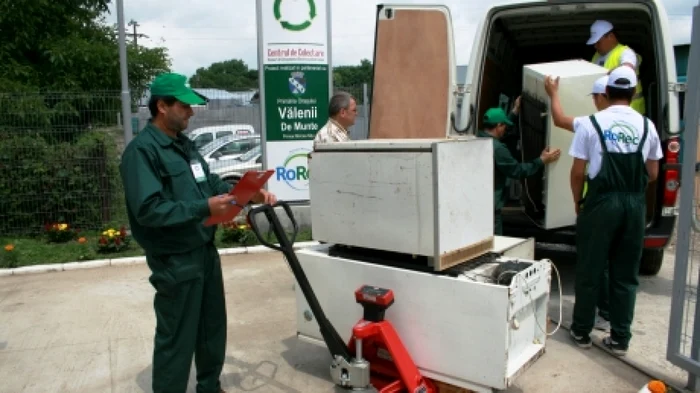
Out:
{"x": 374, "y": 360}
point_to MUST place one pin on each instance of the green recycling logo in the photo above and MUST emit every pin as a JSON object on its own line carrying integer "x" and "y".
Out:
{"x": 292, "y": 26}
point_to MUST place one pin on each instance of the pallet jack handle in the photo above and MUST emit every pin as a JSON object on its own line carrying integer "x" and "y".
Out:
{"x": 286, "y": 245}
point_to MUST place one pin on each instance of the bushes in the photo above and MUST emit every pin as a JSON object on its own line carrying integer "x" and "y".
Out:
{"x": 68, "y": 182}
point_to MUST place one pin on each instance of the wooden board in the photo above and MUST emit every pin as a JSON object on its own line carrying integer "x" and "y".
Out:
{"x": 412, "y": 75}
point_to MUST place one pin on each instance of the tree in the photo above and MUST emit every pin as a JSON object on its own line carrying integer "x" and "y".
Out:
{"x": 228, "y": 75}
{"x": 65, "y": 45}
{"x": 353, "y": 76}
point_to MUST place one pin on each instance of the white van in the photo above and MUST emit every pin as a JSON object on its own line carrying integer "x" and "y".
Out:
{"x": 204, "y": 135}
{"x": 415, "y": 73}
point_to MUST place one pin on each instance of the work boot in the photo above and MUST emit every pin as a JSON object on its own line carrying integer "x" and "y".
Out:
{"x": 614, "y": 347}
{"x": 602, "y": 324}
{"x": 581, "y": 341}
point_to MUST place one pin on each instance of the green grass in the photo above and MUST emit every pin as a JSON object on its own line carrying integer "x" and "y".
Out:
{"x": 30, "y": 251}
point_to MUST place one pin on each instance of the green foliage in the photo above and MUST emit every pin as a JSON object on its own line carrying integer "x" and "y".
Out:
{"x": 40, "y": 183}
{"x": 353, "y": 75}
{"x": 59, "y": 232}
{"x": 113, "y": 240}
{"x": 65, "y": 45}
{"x": 240, "y": 234}
{"x": 228, "y": 75}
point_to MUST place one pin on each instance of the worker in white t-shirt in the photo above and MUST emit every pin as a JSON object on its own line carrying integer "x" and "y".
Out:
{"x": 622, "y": 150}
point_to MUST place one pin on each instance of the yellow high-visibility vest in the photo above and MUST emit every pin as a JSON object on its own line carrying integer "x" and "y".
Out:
{"x": 612, "y": 62}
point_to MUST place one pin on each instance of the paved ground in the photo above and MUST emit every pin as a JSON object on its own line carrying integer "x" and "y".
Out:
{"x": 652, "y": 313}
{"x": 91, "y": 331}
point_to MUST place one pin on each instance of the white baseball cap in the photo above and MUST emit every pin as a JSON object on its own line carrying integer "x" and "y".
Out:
{"x": 622, "y": 77}
{"x": 598, "y": 29}
{"x": 599, "y": 85}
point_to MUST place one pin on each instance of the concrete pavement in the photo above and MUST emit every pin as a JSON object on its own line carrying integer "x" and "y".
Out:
{"x": 92, "y": 331}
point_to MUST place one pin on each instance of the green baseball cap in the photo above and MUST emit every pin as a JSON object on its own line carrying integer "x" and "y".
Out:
{"x": 175, "y": 85}
{"x": 495, "y": 116}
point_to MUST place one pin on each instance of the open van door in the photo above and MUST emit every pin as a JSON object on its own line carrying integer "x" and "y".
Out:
{"x": 414, "y": 76}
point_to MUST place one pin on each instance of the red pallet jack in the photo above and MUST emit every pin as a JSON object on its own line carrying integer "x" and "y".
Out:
{"x": 374, "y": 359}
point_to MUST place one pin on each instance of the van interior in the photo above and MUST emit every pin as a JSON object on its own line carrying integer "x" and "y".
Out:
{"x": 519, "y": 35}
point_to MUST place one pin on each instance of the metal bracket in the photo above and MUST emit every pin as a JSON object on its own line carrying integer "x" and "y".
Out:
{"x": 676, "y": 87}
{"x": 353, "y": 375}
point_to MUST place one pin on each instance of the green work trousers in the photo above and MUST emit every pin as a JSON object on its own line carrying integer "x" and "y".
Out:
{"x": 190, "y": 319}
{"x": 608, "y": 233}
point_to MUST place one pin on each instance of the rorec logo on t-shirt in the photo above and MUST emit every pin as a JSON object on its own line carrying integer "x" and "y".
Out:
{"x": 622, "y": 132}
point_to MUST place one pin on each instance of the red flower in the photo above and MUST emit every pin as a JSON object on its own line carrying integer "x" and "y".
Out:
{"x": 103, "y": 240}
{"x": 117, "y": 241}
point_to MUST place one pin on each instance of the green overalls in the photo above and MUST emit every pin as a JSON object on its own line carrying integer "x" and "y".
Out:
{"x": 611, "y": 228}
{"x": 506, "y": 167}
{"x": 166, "y": 207}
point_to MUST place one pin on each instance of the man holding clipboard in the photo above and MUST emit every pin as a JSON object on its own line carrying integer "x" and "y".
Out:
{"x": 174, "y": 204}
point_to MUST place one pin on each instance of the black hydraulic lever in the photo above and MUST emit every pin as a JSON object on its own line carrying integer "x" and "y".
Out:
{"x": 333, "y": 340}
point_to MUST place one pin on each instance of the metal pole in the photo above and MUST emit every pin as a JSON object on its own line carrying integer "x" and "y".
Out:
{"x": 686, "y": 211}
{"x": 126, "y": 99}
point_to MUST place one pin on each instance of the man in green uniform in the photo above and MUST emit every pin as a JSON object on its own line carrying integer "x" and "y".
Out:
{"x": 505, "y": 166}
{"x": 622, "y": 149}
{"x": 169, "y": 193}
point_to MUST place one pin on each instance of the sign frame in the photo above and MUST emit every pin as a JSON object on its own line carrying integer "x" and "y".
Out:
{"x": 271, "y": 148}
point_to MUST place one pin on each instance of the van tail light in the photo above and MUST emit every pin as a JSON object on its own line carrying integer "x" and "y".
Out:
{"x": 671, "y": 175}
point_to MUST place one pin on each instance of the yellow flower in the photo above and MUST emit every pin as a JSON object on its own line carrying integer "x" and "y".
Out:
{"x": 62, "y": 227}
{"x": 9, "y": 247}
{"x": 105, "y": 233}
{"x": 243, "y": 226}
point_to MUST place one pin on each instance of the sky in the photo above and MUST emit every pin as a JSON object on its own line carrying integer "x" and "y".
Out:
{"x": 218, "y": 30}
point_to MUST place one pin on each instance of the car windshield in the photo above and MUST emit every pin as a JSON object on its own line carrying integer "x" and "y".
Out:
{"x": 250, "y": 154}
{"x": 204, "y": 150}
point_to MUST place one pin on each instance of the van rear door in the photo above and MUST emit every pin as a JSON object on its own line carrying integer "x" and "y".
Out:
{"x": 413, "y": 87}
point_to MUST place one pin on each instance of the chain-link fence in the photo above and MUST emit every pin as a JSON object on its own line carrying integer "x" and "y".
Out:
{"x": 59, "y": 152}
{"x": 58, "y": 160}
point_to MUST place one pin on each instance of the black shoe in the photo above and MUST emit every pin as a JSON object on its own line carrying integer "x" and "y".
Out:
{"x": 581, "y": 341}
{"x": 614, "y": 347}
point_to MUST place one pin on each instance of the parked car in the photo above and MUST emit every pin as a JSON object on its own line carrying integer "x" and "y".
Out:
{"x": 205, "y": 135}
{"x": 236, "y": 168}
{"x": 224, "y": 152}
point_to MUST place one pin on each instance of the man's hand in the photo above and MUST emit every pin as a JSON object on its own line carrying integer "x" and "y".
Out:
{"x": 551, "y": 85}
{"x": 549, "y": 156}
{"x": 516, "y": 106}
{"x": 220, "y": 204}
{"x": 265, "y": 198}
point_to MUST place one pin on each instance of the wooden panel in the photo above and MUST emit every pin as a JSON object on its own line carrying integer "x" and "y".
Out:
{"x": 410, "y": 92}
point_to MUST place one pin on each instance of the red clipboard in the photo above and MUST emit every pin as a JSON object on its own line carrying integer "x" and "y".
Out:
{"x": 249, "y": 185}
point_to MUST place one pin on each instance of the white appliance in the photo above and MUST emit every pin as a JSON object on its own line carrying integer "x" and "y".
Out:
{"x": 425, "y": 197}
{"x": 576, "y": 78}
{"x": 460, "y": 328}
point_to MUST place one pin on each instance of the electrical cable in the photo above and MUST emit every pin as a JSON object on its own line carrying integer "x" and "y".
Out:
{"x": 534, "y": 306}
{"x": 522, "y": 155}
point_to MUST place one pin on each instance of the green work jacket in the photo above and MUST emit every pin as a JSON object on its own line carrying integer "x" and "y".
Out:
{"x": 506, "y": 167}
{"x": 166, "y": 206}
